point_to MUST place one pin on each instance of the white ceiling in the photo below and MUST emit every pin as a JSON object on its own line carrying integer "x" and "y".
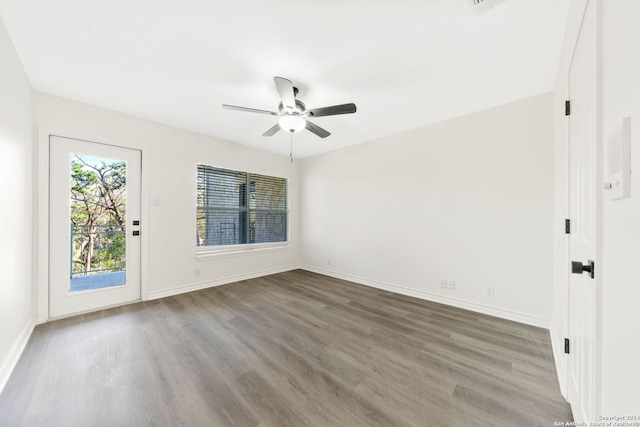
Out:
{"x": 405, "y": 63}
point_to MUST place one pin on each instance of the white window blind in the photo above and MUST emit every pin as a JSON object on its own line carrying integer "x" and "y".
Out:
{"x": 235, "y": 208}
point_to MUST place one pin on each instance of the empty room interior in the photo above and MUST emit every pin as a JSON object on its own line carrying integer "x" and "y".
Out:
{"x": 413, "y": 213}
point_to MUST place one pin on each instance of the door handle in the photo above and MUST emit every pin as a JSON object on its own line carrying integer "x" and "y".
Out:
{"x": 578, "y": 268}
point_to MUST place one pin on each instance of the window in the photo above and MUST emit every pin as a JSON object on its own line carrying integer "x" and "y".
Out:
{"x": 238, "y": 208}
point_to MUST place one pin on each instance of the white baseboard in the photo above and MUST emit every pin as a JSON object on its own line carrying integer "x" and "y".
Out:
{"x": 428, "y": 296}
{"x": 14, "y": 354}
{"x": 219, "y": 282}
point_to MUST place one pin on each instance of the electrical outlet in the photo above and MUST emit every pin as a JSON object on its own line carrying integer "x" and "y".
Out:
{"x": 443, "y": 283}
{"x": 329, "y": 261}
{"x": 196, "y": 272}
{"x": 490, "y": 291}
{"x": 452, "y": 284}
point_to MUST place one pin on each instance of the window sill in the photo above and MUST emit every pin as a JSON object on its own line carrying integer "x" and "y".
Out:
{"x": 207, "y": 255}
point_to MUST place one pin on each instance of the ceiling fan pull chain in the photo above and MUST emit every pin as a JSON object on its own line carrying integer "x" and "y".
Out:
{"x": 291, "y": 147}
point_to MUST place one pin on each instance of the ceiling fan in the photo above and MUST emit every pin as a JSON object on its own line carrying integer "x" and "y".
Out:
{"x": 293, "y": 113}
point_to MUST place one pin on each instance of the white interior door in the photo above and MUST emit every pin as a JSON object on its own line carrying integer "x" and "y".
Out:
{"x": 584, "y": 215}
{"x": 94, "y": 226}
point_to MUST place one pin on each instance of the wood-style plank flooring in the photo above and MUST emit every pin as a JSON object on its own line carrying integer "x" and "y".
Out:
{"x": 291, "y": 349}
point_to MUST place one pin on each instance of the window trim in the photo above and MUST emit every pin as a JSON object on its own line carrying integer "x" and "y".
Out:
{"x": 204, "y": 253}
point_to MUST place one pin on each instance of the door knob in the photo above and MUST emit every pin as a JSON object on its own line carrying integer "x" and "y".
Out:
{"x": 578, "y": 268}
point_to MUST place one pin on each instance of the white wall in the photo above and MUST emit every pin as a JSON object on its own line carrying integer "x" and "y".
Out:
{"x": 171, "y": 157}
{"x": 469, "y": 199}
{"x": 621, "y": 219}
{"x": 16, "y": 207}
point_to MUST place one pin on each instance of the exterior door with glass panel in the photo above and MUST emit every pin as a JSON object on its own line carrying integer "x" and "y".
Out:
{"x": 94, "y": 226}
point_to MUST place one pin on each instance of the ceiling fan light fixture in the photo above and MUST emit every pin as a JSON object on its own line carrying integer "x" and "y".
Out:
{"x": 291, "y": 123}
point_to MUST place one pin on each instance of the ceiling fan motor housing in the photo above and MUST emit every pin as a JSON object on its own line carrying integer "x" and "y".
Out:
{"x": 298, "y": 111}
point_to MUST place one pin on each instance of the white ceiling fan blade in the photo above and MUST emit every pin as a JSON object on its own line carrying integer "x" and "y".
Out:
{"x": 272, "y": 131}
{"x": 285, "y": 89}
{"x": 248, "y": 110}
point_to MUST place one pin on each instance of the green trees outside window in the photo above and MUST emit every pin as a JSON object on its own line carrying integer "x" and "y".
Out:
{"x": 98, "y": 202}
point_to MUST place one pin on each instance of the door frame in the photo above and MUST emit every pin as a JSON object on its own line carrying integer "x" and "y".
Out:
{"x": 42, "y": 224}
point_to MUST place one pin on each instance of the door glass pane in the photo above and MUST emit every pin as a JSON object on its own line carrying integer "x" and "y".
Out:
{"x": 97, "y": 223}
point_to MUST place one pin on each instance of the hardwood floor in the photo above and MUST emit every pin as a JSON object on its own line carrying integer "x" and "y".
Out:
{"x": 292, "y": 349}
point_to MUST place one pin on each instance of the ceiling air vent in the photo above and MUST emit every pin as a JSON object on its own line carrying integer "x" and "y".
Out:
{"x": 478, "y": 6}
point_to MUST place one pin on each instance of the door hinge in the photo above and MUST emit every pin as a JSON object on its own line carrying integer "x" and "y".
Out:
{"x": 567, "y": 108}
{"x": 567, "y": 226}
{"x": 566, "y": 345}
